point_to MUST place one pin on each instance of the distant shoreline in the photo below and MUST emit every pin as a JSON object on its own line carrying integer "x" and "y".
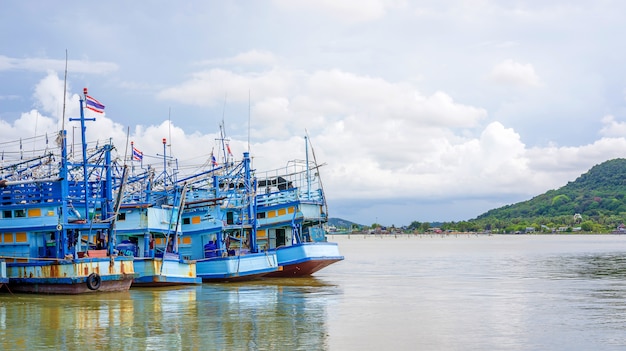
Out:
{"x": 465, "y": 233}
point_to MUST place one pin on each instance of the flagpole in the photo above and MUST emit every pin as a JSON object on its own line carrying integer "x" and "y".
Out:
{"x": 126, "y": 145}
{"x": 164, "y": 163}
{"x": 84, "y": 140}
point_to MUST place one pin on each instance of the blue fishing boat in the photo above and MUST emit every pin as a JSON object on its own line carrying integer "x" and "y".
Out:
{"x": 50, "y": 214}
{"x": 291, "y": 215}
{"x": 219, "y": 222}
{"x": 149, "y": 229}
{"x": 150, "y": 235}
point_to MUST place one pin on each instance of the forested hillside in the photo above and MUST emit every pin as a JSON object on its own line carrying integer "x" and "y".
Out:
{"x": 596, "y": 200}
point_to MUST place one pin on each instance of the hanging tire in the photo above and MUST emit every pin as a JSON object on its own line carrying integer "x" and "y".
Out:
{"x": 94, "y": 281}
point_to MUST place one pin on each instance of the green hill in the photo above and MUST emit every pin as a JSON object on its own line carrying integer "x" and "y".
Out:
{"x": 598, "y": 196}
{"x": 342, "y": 224}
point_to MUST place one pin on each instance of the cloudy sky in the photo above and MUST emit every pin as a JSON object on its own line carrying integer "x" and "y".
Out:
{"x": 421, "y": 110}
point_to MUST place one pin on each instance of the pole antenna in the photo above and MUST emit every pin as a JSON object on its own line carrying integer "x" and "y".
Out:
{"x": 64, "y": 93}
{"x": 249, "y": 120}
{"x": 169, "y": 126}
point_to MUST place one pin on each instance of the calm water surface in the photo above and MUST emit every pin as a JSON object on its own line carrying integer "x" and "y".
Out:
{"x": 466, "y": 292}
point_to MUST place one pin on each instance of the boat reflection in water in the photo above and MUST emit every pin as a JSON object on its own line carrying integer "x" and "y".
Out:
{"x": 64, "y": 322}
{"x": 275, "y": 314}
{"x": 264, "y": 314}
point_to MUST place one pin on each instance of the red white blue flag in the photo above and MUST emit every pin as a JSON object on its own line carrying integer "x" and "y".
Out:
{"x": 137, "y": 155}
{"x": 213, "y": 160}
{"x": 93, "y": 104}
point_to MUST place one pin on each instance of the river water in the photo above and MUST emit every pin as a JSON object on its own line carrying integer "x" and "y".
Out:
{"x": 457, "y": 292}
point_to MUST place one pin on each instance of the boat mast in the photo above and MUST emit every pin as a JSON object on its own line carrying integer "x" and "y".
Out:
{"x": 164, "y": 163}
{"x": 308, "y": 170}
{"x": 59, "y": 238}
{"x": 250, "y": 199}
{"x": 84, "y": 141}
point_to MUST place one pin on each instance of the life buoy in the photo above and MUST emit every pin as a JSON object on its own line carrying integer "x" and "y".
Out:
{"x": 93, "y": 281}
{"x": 59, "y": 227}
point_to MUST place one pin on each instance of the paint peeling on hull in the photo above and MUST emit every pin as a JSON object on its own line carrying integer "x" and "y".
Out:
{"x": 71, "y": 276}
{"x": 119, "y": 284}
{"x": 156, "y": 272}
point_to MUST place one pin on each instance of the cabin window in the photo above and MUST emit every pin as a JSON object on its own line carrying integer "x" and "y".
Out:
{"x": 290, "y": 210}
{"x": 121, "y": 216}
{"x": 34, "y": 212}
{"x": 20, "y": 237}
{"x": 261, "y": 234}
{"x": 195, "y": 220}
{"x": 186, "y": 221}
{"x": 7, "y": 237}
{"x": 282, "y": 212}
{"x": 260, "y": 215}
{"x": 7, "y": 214}
{"x": 20, "y": 213}
{"x": 271, "y": 214}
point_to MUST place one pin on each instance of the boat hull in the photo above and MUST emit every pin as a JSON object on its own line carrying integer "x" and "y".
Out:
{"x": 158, "y": 272}
{"x": 240, "y": 267}
{"x": 79, "y": 276}
{"x": 305, "y": 259}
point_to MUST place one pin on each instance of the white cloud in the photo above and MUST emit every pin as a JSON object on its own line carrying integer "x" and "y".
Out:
{"x": 286, "y": 102}
{"x": 509, "y": 72}
{"x": 211, "y": 87}
{"x": 44, "y": 65}
{"x": 612, "y": 128}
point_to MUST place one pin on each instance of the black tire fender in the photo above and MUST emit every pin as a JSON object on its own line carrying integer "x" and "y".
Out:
{"x": 93, "y": 281}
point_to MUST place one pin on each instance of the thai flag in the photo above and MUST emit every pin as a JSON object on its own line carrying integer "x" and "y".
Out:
{"x": 93, "y": 104}
{"x": 137, "y": 155}
{"x": 213, "y": 161}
